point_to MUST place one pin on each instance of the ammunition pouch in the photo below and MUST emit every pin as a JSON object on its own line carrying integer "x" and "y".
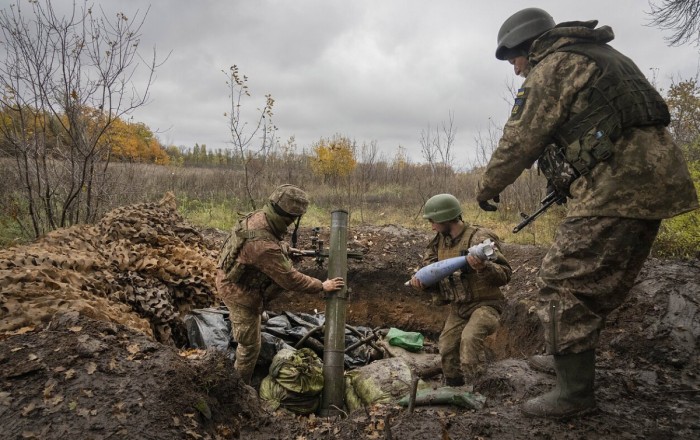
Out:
{"x": 438, "y": 298}
{"x": 228, "y": 257}
{"x": 453, "y": 289}
{"x": 232, "y": 246}
{"x": 594, "y": 147}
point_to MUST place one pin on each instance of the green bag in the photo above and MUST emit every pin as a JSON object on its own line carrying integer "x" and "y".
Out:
{"x": 300, "y": 371}
{"x": 275, "y": 396}
{"x": 411, "y": 341}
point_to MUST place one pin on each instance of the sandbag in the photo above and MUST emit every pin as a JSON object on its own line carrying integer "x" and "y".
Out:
{"x": 446, "y": 396}
{"x": 382, "y": 381}
{"x": 275, "y": 396}
{"x": 300, "y": 371}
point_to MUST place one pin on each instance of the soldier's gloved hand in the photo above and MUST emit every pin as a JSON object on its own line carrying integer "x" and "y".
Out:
{"x": 561, "y": 198}
{"x": 486, "y": 206}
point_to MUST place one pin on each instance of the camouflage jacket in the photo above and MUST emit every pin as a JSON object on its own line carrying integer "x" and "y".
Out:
{"x": 268, "y": 270}
{"x": 467, "y": 289}
{"x": 646, "y": 177}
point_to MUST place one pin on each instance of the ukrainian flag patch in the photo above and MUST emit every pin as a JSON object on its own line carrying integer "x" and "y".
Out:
{"x": 519, "y": 103}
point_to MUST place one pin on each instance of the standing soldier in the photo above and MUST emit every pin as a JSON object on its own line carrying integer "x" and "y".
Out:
{"x": 254, "y": 265}
{"x": 597, "y": 128}
{"x": 473, "y": 293}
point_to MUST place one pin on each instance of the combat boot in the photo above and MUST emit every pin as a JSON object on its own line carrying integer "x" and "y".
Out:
{"x": 573, "y": 394}
{"x": 454, "y": 381}
{"x": 542, "y": 363}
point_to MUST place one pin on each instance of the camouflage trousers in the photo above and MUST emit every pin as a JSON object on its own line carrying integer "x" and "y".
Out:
{"x": 245, "y": 329}
{"x": 586, "y": 274}
{"x": 461, "y": 342}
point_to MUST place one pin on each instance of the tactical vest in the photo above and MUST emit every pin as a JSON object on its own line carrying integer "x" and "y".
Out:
{"x": 464, "y": 287}
{"x": 228, "y": 258}
{"x": 621, "y": 98}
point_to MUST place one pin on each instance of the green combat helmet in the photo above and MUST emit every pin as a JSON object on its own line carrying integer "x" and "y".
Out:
{"x": 442, "y": 208}
{"x": 520, "y": 27}
{"x": 290, "y": 199}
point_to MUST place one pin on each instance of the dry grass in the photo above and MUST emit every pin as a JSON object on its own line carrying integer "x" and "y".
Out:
{"x": 213, "y": 197}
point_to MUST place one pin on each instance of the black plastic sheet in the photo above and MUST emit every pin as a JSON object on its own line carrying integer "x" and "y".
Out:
{"x": 211, "y": 328}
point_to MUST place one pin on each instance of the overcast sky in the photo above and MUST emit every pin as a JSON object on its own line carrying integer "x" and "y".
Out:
{"x": 372, "y": 70}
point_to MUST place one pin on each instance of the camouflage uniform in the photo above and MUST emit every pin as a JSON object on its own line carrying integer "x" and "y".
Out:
{"x": 475, "y": 303}
{"x": 263, "y": 270}
{"x": 614, "y": 211}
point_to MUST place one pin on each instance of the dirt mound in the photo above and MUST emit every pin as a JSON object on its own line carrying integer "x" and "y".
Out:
{"x": 90, "y": 379}
{"x": 142, "y": 268}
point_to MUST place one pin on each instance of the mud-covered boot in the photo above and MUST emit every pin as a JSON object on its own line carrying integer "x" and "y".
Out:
{"x": 573, "y": 394}
{"x": 542, "y": 363}
{"x": 454, "y": 381}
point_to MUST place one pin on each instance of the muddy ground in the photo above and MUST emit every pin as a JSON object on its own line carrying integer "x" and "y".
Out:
{"x": 73, "y": 374}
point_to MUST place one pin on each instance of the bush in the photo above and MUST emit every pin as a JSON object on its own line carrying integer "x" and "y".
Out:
{"x": 679, "y": 236}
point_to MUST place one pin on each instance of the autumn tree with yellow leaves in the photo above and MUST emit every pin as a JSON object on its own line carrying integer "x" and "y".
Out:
{"x": 333, "y": 159}
{"x": 135, "y": 142}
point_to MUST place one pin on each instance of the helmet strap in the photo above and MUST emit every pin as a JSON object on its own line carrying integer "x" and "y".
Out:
{"x": 294, "y": 234}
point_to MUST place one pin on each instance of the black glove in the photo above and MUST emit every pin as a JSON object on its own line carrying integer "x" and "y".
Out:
{"x": 486, "y": 206}
{"x": 561, "y": 198}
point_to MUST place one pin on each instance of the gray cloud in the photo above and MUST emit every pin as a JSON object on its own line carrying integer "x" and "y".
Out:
{"x": 375, "y": 71}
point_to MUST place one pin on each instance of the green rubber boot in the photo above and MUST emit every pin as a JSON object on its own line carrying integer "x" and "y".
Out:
{"x": 573, "y": 394}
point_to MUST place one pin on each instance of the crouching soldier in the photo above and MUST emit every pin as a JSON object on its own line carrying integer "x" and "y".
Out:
{"x": 254, "y": 265}
{"x": 473, "y": 294}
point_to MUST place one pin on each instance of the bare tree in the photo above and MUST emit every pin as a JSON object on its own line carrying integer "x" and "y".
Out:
{"x": 682, "y": 17}
{"x": 365, "y": 174}
{"x": 254, "y": 143}
{"x": 64, "y": 81}
{"x": 437, "y": 150}
{"x": 486, "y": 143}
{"x": 526, "y": 192}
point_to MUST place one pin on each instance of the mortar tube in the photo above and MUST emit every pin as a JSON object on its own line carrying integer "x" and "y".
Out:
{"x": 333, "y": 398}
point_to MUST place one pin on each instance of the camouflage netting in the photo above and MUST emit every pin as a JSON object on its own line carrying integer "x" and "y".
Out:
{"x": 142, "y": 266}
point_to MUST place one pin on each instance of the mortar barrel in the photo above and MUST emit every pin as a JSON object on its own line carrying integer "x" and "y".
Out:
{"x": 334, "y": 338}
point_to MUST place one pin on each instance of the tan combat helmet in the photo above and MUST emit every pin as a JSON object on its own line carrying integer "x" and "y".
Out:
{"x": 291, "y": 199}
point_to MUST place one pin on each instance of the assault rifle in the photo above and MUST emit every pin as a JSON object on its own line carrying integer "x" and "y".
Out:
{"x": 550, "y": 199}
{"x": 319, "y": 253}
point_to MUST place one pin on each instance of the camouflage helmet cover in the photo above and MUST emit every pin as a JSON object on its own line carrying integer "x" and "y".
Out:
{"x": 290, "y": 199}
{"x": 442, "y": 208}
{"x": 520, "y": 27}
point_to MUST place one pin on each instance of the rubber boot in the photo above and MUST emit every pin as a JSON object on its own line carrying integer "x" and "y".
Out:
{"x": 573, "y": 394}
{"x": 542, "y": 363}
{"x": 454, "y": 381}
